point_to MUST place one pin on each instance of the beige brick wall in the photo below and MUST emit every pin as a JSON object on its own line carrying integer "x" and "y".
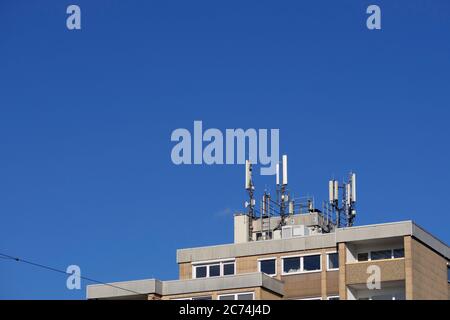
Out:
{"x": 426, "y": 272}
{"x": 342, "y": 247}
{"x": 185, "y": 271}
{"x": 408, "y": 268}
{"x": 332, "y": 283}
{"x": 307, "y": 285}
{"x": 391, "y": 270}
{"x": 268, "y": 295}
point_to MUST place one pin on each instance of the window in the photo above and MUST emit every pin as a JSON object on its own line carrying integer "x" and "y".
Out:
{"x": 448, "y": 273}
{"x": 228, "y": 269}
{"x": 385, "y": 296}
{"x": 245, "y": 296}
{"x": 333, "y": 261}
{"x": 309, "y": 263}
{"x": 200, "y": 272}
{"x": 268, "y": 266}
{"x": 363, "y": 256}
{"x": 333, "y": 298}
{"x": 213, "y": 269}
{"x": 381, "y": 254}
{"x": 238, "y": 296}
{"x": 196, "y": 298}
{"x": 202, "y": 298}
{"x": 291, "y": 265}
{"x": 399, "y": 253}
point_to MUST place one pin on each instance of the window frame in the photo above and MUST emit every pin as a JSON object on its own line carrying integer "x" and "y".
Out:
{"x": 266, "y": 259}
{"x": 328, "y": 260}
{"x": 369, "y": 255}
{"x": 301, "y": 256}
{"x": 448, "y": 273}
{"x": 208, "y": 264}
{"x": 194, "y": 298}
{"x": 235, "y": 295}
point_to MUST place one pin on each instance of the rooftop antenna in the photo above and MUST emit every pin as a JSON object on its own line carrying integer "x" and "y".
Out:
{"x": 277, "y": 166}
{"x": 250, "y": 205}
{"x": 284, "y": 197}
{"x": 346, "y": 209}
{"x": 285, "y": 171}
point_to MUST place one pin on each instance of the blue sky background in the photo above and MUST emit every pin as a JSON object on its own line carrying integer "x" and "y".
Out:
{"x": 86, "y": 116}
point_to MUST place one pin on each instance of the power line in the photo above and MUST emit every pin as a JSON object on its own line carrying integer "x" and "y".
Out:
{"x": 6, "y": 256}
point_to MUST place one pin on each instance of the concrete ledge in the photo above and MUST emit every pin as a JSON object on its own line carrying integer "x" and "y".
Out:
{"x": 134, "y": 289}
{"x": 431, "y": 241}
{"x": 249, "y": 280}
{"x": 374, "y": 231}
{"x": 124, "y": 289}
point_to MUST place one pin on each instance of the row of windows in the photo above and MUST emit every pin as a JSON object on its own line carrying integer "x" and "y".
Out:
{"x": 218, "y": 269}
{"x": 245, "y": 296}
{"x": 320, "y": 298}
{"x": 299, "y": 264}
{"x": 290, "y": 265}
{"x": 381, "y": 255}
{"x": 230, "y": 296}
{"x": 293, "y": 264}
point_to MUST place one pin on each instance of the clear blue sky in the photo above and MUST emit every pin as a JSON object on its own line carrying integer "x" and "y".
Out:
{"x": 86, "y": 116}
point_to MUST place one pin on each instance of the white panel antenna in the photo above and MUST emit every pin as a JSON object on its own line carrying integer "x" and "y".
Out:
{"x": 278, "y": 173}
{"x": 331, "y": 191}
{"x": 353, "y": 187}
{"x": 285, "y": 171}
{"x": 348, "y": 193}
{"x": 336, "y": 190}
{"x": 248, "y": 175}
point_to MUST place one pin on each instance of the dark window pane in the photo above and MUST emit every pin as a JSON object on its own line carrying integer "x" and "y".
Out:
{"x": 363, "y": 256}
{"x": 228, "y": 269}
{"x": 383, "y": 297}
{"x": 291, "y": 265}
{"x": 268, "y": 266}
{"x": 214, "y": 270}
{"x": 379, "y": 255}
{"x": 448, "y": 274}
{"x": 311, "y": 263}
{"x": 228, "y": 297}
{"x": 333, "y": 298}
{"x": 399, "y": 253}
{"x": 200, "y": 272}
{"x": 202, "y": 298}
{"x": 245, "y": 296}
{"x": 333, "y": 261}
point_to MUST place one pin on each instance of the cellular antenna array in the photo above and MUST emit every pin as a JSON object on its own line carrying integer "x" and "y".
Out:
{"x": 343, "y": 209}
{"x": 284, "y": 213}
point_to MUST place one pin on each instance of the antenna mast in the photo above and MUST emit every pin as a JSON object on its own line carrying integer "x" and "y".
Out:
{"x": 346, "y": 210}
{"x": 250, "y": 205}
